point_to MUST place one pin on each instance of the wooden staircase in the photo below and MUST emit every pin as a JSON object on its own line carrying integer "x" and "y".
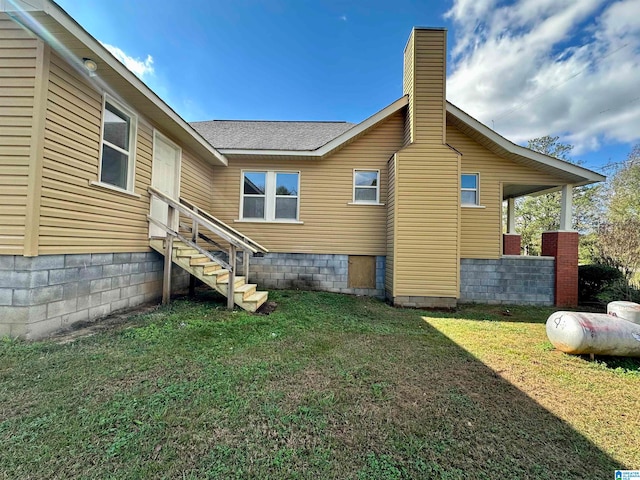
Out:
{"x": 185, "y": 250}
{"x": 245, "y": 295}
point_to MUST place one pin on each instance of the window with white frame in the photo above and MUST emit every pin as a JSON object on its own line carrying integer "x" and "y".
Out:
{"x": 469, "y": 189}
{"x": 270, "y": 196}
{"x": 366, "y": 186}
{"x": 117, "y": 155}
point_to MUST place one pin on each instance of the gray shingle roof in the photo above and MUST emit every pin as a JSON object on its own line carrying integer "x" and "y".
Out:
{"x": 269, "y": 135}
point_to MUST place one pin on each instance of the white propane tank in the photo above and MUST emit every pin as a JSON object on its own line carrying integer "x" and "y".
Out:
{"x": 580, "y": 333}
{"x": 628, "y": 310}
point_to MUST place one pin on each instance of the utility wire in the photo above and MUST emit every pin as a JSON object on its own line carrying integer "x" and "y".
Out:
{"x": 620, "y": 106}
{"x": 527, "y": 102}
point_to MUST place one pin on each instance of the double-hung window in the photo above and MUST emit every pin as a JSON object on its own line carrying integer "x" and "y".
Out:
{"x": 270, "y": 196}
{"x": 117, "y": 156}
{"x": 366, "y": 186}
{"x": 469, "y": 193}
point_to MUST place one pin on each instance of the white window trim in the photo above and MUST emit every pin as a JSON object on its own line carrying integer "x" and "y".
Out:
{"x": 269, "y": 198}
{"x": 477, "y": 190}
{"x": 108, "y": 186}
{"x": 133, "y": 137}
{"x": 377, "y": 187}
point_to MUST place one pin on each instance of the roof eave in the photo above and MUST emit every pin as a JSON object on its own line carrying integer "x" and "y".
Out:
{"x": 331, "y": 146}
{"x": 588, "y": 176}
{"x": 50, "y": 8}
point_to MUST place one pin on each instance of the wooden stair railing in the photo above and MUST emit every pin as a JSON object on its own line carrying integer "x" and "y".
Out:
{"x": 202, "y": 219}
{"x": 224, "y": 226}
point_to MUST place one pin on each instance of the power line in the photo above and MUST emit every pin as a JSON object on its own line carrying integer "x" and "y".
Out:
{"x": 589, "y": 65}
{"x": 620, "y": 106}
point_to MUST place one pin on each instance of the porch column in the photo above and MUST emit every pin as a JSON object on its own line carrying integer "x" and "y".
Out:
{"x": 511, "y": 215}
{"x": 564, "y": 247}
{"x": 511, "y": 240}
{"x": 565, "y": 207}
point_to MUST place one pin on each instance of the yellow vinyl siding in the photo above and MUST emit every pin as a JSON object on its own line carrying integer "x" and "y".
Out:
{"x": 427, "y": 211}
{"x": 391, "y": 225}
{"x": 18, "y": 61}
{"x": 407, "y": 88}
{"x": 427, "y": 215}
{"x": 330, "y": 225}
{"x": 196, "y": 181}
{"x": 481, "y": 232}
{"x": 429, "y": 86}
{"x": 77, "y": 217}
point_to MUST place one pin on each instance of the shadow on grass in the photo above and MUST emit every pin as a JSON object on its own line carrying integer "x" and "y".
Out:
{"x": 482, "y": 426}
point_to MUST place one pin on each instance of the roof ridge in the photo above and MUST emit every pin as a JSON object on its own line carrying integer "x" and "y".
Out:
{"x": 275, "y": 121}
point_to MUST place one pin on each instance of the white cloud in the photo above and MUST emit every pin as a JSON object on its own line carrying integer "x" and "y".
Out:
{"x": 558, "y": 67}
{"x": 140, "y": 68}
{"x": 343, "y": 18}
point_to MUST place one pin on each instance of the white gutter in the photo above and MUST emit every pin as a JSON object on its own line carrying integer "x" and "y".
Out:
{"x": 18, "y": 7}
{"x": 511, "y": 147}
{"x": 331, "y": 145}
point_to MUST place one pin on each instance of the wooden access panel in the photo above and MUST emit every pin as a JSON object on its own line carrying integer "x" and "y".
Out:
{"x": 362, "y": 271}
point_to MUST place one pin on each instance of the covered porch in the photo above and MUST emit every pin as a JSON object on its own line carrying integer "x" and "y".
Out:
{"x": 560, "y": 245}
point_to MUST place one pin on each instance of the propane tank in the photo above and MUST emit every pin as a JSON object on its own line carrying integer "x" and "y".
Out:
{"x": 627, "y": 310}
{"x": 596, "y": 333}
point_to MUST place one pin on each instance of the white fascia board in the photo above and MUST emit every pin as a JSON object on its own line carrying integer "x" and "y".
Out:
{"x": 588, "y": 175}
{"x": 53, "y": 10}
{"x": 333, "y": 144}
{"x": 10, "y": 6}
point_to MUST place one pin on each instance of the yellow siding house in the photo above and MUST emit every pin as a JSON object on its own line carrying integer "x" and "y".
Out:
{"x": 95, "y": 168}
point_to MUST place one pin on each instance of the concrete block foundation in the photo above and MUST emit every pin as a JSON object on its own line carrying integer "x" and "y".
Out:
{"x": 44, "y": 294}
{"x": 511, "y": 279}
{"x": 310, "y": 271}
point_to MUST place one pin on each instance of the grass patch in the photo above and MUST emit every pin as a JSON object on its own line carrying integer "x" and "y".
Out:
{"x": 327, "y": 386}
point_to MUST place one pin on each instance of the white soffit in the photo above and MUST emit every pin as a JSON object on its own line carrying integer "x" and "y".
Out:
{"x": 581, "y": 176}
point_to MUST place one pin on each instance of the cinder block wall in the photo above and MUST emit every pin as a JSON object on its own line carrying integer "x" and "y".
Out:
{"x": 306, "y": 271}
{"x": 40, "y": 295}
{"x": 510, "y": 279}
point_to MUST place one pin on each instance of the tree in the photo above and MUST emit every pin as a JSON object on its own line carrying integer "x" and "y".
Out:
{"x": 624, "y": 189}
{"x": 536, "y": 214}
{"x": 618, "y": 239}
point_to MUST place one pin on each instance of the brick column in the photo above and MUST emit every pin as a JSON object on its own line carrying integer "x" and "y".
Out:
{"x": 510, "y": 244}
{"x": 564, "y": 247}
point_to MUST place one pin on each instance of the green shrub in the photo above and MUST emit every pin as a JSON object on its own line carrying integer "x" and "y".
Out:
{"x": 593, "y": 279}
{"x": 619, "y": 289}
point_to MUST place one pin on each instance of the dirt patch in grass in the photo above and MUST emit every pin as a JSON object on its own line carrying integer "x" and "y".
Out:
{"x": 108, "y": 324}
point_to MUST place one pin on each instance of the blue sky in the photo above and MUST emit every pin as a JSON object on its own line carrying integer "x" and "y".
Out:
{"x": 526, "y": 67}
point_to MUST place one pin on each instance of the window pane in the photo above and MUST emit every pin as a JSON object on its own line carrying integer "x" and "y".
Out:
{"x": 369, "y": 179}
{"x": 469, "y": 181}
{"x": 254, "y": 183}
{"x": 286, "y": 184}
{"x": 366, "y": 195}
{"x": 114, "y": 167}
{"x": 116, "y": 127}
{"x": 469, "y": 197}
{"x": 253, "y": 207}
{"x": 287, "y": 208}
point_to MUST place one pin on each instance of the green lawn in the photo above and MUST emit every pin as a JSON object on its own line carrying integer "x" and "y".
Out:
{"x": 327, "y": 386}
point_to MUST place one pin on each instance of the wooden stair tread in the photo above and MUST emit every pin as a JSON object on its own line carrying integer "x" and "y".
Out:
{"x": 213, "y": 274}
{"x": 216, "y": 273}
{"x": 237, "y": 280}
{"x": 245, "y": 288}
{"x": 256, "y": 297}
